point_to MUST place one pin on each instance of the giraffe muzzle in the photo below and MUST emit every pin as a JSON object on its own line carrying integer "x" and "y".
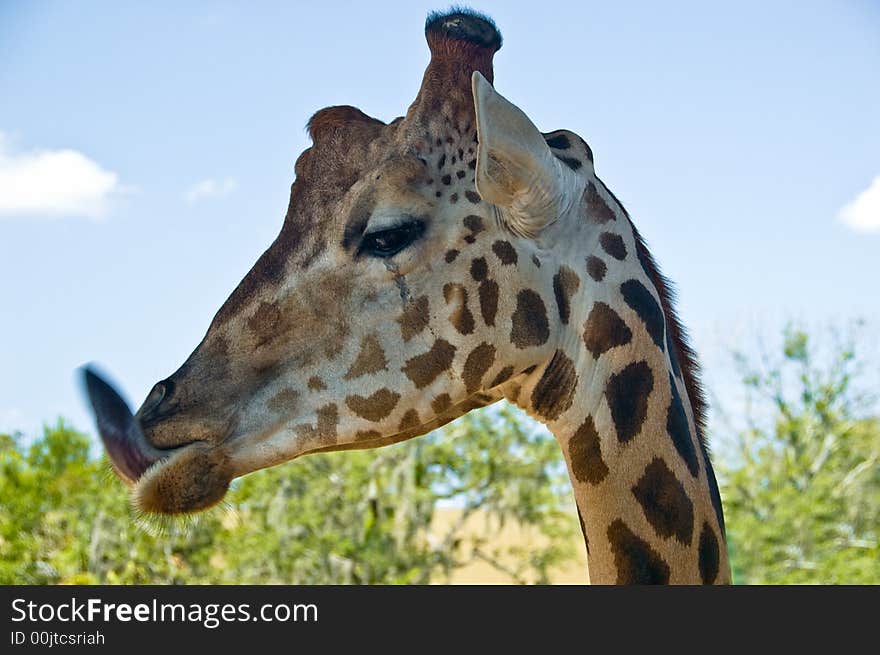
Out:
{"x": 128, "y": 449}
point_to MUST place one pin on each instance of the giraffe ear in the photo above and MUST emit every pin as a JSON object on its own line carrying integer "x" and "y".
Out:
{"x": 516, "y": 169}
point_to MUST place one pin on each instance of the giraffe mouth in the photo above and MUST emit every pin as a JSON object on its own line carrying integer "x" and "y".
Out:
{"x": 127, "y": 447}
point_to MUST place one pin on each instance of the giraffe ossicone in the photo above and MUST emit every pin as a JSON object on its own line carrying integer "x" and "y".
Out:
{"x": 427, "y": 267}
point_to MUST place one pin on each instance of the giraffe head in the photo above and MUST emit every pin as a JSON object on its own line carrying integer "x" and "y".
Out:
{"x": 405, "y": 288}
{"x": 425, "y": 267}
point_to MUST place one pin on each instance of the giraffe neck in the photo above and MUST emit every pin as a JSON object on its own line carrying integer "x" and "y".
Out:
{"x": 614, "y": 396}
{"x": 644, "y": 519}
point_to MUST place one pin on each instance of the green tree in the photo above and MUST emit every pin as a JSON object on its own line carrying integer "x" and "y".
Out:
{"x": 65, "y": 519}
{"x": 801, "y": 487}
{"x": 350, "y": 517}
{"x": 365, "y": 517}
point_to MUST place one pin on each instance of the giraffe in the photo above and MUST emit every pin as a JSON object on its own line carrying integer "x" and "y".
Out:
{"x": 429, "y": 266}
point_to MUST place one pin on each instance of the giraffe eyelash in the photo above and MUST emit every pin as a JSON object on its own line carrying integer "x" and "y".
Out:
{"x": 388, "y": 242}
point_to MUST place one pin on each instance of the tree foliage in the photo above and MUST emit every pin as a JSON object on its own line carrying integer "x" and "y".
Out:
{"x": 350, "y": 517}
{"x": 802, "y": 485}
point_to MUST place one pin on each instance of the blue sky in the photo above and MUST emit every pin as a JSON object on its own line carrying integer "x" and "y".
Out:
{"x": 737, "y": 134}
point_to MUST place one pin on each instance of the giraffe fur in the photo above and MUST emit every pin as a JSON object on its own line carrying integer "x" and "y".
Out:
{"x": 430, "y": 266}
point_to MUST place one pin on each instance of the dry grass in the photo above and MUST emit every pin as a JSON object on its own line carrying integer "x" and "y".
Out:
{"x": 503, "y": 539}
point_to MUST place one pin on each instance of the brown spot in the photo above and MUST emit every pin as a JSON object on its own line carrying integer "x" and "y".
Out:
{"x": 370, "y": 359}
{"x": 685, "y": 358}
{"x": 374, "y": 408}
{"x": 316, "y": 384}
{"x": 423, "y": 369}
{"x": 665, "y": 502}
{"x": 414, "y": 318}
{"x": 554, "y": 392}
{"x": 441, "y": 403}
{"x": 613, "y": 245}
{"x": 596, "y": 268}
{"x": 536, "y": 261}
{"x": 530, "y": 326}
{"x": 636, "y": 561}
{"x": 461, "y": 318}
{"x": 585, "y": 454}
{"x": 409, "y": 420}
{"x": 714, "y": 492}
{"x": 505, "y": 252}
{"x": 597, "y": 209}
{"x": 558, "y": 142}
{"x": 314, "y": 317}
{"x": 709, "y": 554}
{"x": 642, "y": 302}
{"x": 478, "y": 362}
{"x": 479, "y": 269}
{"x": 446, "y": 179}
{"x": 604, "y": 329}
{"x": 325, "y": 429}
{"x": 571, "y": 162}
{"x": 265, "y": 323}
{"x": 473, "y": 196}
{"x": 488, "y": 292}
{"x": 565, "y": 284}
{"x": 284, "y": 401}
{"x": 627, "y": 395}
{"x": 451, "y": 255}
{"x": 503, "y": 376}
{"x": 453, "y": 198}
{"x": 474, "y": 223}
{"x": 679, "y": 430}
{"x": 470, "y": 403}
{"x": 366, "y": 435}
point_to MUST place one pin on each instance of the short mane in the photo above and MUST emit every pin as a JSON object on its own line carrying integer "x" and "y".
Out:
{"x": 678, "y": 337}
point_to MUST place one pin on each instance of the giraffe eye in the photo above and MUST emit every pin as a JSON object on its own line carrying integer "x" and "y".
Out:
{"x": 387, "y": 243}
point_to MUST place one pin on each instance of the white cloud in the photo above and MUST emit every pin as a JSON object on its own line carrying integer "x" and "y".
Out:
{"x": 210, "y": 188}
{"x": 53, "y": 183}
{"x": 863, "y": 213}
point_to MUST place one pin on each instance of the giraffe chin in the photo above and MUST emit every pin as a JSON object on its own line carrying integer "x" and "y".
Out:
{"x": 192, "y": 479}
{"x": 179, "y": 480}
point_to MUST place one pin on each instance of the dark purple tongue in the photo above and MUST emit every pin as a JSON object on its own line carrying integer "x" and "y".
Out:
{"x": 127, "y": 447}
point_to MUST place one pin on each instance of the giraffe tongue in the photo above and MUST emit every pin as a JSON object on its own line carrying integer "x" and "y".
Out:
{"x": 127, "y": 447}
